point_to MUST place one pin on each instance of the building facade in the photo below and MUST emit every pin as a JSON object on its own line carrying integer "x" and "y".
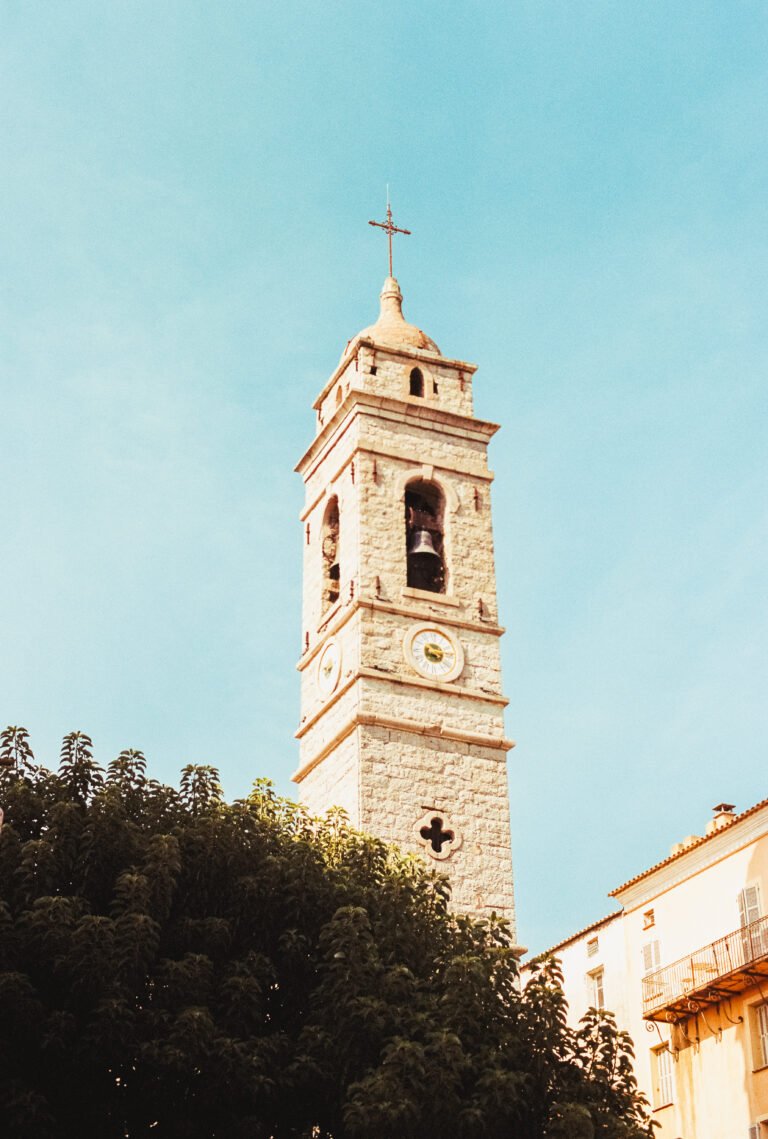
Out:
{"x": 401, "y": 696}
{"x": 684, "y": 966}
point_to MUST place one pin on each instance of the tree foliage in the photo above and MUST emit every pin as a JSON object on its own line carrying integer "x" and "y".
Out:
{"x": 174, "y": 965}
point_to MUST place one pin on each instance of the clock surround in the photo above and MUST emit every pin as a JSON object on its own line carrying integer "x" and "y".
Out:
{"x": 433, "y": 651}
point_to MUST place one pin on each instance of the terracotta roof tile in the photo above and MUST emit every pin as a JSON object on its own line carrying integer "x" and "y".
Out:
{"x": 580, "y": 933}
{"x": 693, "y": 846}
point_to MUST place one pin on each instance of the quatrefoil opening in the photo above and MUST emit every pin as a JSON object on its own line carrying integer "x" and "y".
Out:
{"x": 437, "y": 834}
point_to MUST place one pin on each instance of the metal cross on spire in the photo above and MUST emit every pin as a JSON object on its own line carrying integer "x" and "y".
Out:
{"x": 390, "y": 228}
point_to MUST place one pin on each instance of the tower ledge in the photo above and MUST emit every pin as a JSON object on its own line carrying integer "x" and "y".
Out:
{"x": 435, "y": 418}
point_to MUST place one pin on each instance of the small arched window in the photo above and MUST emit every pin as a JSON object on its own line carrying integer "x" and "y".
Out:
{"x": 424, "y": 529}
{"x": 330, "y": 541}
{"x": 417, "y": 382}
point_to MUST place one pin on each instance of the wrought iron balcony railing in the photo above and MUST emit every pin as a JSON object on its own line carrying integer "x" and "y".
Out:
{"x": 727, "y": 966}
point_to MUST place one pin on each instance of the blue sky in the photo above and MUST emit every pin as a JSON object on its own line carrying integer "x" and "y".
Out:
{"x": 185, "y": 193}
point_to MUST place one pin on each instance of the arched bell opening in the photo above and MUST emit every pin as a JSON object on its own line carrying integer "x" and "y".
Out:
{"x": 424, "y": 529}
{"x": 330, "y": 547}
{"x": 416, "y": 382}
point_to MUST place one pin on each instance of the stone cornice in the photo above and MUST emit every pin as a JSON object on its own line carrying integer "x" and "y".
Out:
{"x": 332, "y": 744}
{"x": 342, "y": 688}
{"x": 399, "y": 454}
{"x": 426, "y": 416}
{"x": 403, "y": 724}
{"x": 445, "y": 689}
{"x": 451, "y": 689}
{"x": 445, "y": 617}
{"x": 414, "y": 611}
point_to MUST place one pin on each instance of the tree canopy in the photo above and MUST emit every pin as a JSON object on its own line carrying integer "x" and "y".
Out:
{"x": 175, "y": 965}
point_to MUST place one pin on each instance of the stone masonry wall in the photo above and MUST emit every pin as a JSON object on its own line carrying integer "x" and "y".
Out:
{"x": 335, "y": 783}
{"x": 432, "y": 706}
{"x": 403, "y": 776}
{"x": 382, "y": 649}
{"x": 313, "y": 701}
{"x": 468, "y": 537}
{"x": 321, "y": 487}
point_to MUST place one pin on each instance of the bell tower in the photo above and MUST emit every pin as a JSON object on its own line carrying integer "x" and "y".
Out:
{"x": 401, "y": 699}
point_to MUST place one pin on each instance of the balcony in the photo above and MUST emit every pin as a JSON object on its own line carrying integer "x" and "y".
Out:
{"x": 728, "y": 966}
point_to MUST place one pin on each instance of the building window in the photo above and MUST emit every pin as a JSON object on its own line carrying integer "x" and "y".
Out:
{"x": 424, "y": 514}
{"x": 592, "y": 946}
{"x": 330, "y": 547}
{"x": 651, "y": 957}
{"x": 596, "y": 988}
{"x": 417, "y": 383}
{"x": 649, "y": 919}
{"x": 663, "y": 1078}
{"x": 761, "y": 1035}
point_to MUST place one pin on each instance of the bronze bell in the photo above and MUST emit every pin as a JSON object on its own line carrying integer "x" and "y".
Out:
{"x": 421, "y": 543}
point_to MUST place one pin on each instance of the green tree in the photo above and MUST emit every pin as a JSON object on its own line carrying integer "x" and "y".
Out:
{"x": 174, "y": 965}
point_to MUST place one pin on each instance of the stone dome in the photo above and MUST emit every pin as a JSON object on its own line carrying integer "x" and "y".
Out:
{"x": 392, "y": 330}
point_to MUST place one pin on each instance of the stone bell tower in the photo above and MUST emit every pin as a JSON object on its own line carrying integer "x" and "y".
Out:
{"x": 401, "y": 699}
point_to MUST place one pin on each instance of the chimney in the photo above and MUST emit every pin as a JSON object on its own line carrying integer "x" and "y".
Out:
{"x": 722, "y": 815}
{"x": 689, "y": 840}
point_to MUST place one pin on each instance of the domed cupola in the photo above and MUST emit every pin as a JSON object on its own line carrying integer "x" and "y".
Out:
{"x": 392, "y": 330}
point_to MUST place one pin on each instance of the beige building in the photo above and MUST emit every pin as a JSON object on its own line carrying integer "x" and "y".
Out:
{"x": 684, "y": 966}
{"x": 401, "y": 697}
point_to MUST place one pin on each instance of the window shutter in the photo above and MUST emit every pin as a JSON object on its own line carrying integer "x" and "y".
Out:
{"x": 598, "y": 994}
{"x": 651, "y": 956}
{"x": 664, "y": 1090}
{"x": 749, "y": 904}
{"x": 762, "y": 1033}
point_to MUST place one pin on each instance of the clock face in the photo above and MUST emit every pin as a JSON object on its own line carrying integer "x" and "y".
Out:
{"x": 433, "y": 652}
{"x": 329, "y": 668}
